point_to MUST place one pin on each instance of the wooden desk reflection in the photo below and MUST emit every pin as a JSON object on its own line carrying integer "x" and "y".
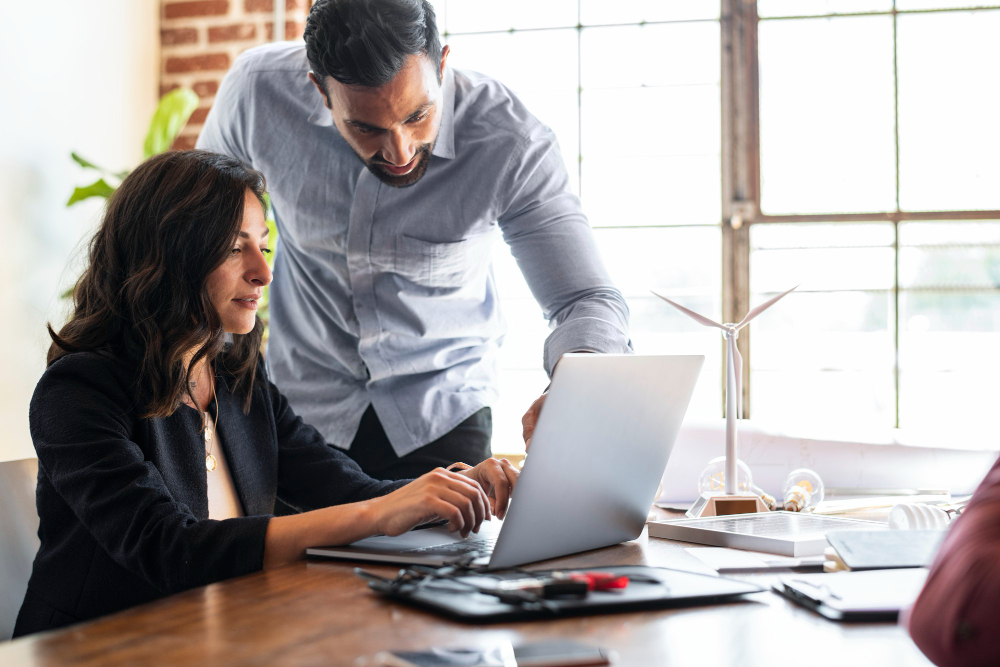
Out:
{"x": 319, "y": 612}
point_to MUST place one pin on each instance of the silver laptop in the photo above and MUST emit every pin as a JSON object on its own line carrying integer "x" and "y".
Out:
{"x": 597, "y": 455}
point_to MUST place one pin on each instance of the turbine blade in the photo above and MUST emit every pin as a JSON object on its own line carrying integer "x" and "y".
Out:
{"x": 761, "y": 308}
{"x": 690, "y": 313}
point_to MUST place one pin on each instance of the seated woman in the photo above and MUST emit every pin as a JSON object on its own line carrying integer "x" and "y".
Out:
{"x": 954, "y": 620}
{"x": 161, "y": 444}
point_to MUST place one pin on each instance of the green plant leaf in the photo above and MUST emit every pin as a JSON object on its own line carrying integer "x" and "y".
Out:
{"x": 98, "y": 188}
{"x": 85, "y": 163}
{"x": 171, "y": 115}
{"x": 272, "y": 240}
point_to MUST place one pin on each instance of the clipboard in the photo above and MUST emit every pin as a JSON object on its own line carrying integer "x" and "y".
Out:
{"x": 886, "y": 549}
{"x": 870, "y": 595}
{"x": 649, "y": 588}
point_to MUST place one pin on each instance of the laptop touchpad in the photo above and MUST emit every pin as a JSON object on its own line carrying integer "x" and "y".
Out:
{"x": 416, "y": 539}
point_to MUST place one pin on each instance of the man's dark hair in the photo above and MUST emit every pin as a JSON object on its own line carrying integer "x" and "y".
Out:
{"x": 366, "y": 42}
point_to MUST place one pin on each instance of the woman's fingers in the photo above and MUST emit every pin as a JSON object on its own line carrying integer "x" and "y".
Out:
{"x": 480, "y": 502}
{"x": 503, "y": 490}
{"x": 471, "y": 516}
{"x": 448, "y": 511}
{"x": 464, "y": 494}
{"x": 498, "y": 476}
{"x": 473, "y": 489}
{"x": 499, "y": 484}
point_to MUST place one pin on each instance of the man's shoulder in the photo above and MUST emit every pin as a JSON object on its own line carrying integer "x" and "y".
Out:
{"x": 274, "y": 57}
{"x": 484, "y": 105}
{"x": 278, "y": 69}
{"x": 263, "y": 79}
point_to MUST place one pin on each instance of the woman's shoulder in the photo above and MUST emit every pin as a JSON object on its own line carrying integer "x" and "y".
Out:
{"x": 97, "y": 363}
{"x": 84, "y": 372}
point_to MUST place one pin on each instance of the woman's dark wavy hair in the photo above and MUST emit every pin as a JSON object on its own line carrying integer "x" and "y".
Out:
{"x": 142, "y": 297}
{"x": 366, "y": 42}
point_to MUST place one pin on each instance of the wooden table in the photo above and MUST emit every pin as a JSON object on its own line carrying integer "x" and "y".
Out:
{"x": 319, "y": 613}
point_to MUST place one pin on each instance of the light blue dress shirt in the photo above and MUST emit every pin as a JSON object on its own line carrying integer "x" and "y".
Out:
{"x": 386, "y": 296}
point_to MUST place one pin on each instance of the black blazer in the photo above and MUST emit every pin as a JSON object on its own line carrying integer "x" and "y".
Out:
{"x": 122, "y": 501}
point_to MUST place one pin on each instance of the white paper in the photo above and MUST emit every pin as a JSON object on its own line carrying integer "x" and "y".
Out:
{"x": 724, "y": 560}
{"x": 871, "y": 590}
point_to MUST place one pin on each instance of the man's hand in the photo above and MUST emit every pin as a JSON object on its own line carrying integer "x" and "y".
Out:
{"x": 529, "y": 420}
{"x": 439, "y": 494}
{"x": 497, "y": 477}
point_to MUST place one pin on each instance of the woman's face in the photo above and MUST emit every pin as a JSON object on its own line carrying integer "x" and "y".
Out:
{"x": 236, "y": 285}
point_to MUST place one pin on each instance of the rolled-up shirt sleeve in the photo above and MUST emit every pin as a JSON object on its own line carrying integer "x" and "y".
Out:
{"x": 551, "y": 239}
{"x": 954, "y": 620}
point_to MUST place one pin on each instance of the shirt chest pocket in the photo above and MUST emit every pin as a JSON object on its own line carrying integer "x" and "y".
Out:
{"x": 451, "y": 264}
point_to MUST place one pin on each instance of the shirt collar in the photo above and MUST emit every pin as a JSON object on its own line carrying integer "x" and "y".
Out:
{"x": 445, "y": 145}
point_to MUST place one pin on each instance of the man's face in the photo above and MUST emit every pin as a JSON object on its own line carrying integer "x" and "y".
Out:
{"x": 392, "y": 128}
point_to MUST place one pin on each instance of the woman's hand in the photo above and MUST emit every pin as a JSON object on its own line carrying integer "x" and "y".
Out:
{"x": 439, "y": 494}
{"x": 457, "y": 497}
{"x": 497, "y": 477}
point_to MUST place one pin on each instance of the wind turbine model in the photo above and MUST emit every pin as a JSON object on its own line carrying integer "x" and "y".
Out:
{"x": 730, "y": 502}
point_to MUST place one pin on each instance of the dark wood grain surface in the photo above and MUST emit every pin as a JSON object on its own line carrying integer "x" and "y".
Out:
{"x": 319, "y": 613}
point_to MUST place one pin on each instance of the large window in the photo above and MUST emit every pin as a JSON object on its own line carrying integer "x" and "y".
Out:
{"x": 878, "y": 180}
{"x": 722, "y": 156}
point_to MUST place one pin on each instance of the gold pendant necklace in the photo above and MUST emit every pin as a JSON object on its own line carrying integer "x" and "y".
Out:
{"x": 210, "y": 462}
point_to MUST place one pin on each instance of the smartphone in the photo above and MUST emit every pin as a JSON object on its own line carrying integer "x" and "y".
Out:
{"x": 538, "y": 654}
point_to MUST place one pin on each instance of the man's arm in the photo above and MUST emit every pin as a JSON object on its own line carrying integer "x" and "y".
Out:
{"x": 555, "y": 249}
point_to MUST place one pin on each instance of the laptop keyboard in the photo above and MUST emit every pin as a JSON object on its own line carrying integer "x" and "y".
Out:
{"x": 484, "y": 546}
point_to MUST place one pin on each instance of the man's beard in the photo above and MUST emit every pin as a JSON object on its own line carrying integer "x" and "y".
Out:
{"x": 423, "y": 158}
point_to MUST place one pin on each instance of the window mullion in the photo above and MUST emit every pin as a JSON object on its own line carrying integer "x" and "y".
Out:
{"x": 740, "y": 166}
{"x": 895, "y": 226}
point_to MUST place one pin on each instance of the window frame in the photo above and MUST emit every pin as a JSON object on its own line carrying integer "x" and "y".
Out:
{"x": 740, "y": 167}
{"x": 741, "y": 172}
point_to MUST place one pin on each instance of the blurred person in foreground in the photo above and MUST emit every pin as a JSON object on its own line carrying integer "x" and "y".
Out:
{"x": 955, "y": 620}
{"x": 392, "y": 175}
{"x": 162, "y": 445}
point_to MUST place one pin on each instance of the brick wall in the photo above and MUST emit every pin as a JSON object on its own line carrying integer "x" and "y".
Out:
{"x": 199, "y": 39}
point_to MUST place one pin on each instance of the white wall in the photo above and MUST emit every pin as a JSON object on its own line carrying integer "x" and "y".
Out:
{"x": 852, "y": 459}
{"x": 75, "y": 76}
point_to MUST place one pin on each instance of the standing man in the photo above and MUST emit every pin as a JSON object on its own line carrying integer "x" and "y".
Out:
{"x": 391, "y": 175}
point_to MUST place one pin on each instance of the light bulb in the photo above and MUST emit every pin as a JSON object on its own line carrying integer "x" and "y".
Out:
{"x": 803, "y": 490}
{"x": 769, "y": 501}
{"x": 712, "y": 481}
{"x": 917, "y": 516}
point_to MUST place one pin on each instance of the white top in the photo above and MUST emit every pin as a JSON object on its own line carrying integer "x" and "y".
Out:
{"x": 223, "y": 503}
